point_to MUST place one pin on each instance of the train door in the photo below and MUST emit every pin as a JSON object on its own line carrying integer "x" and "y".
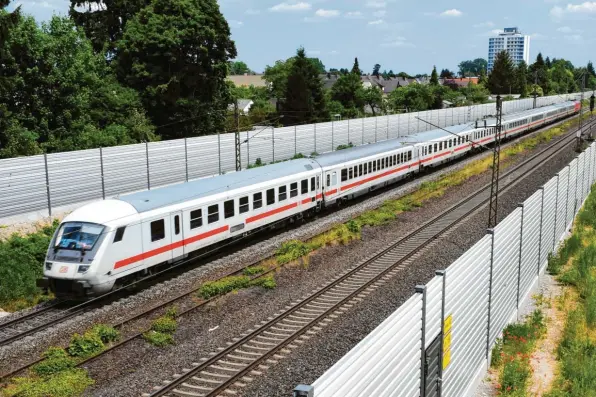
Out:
{"x": 331, "y": 182}
{"x": 177, "y": 233}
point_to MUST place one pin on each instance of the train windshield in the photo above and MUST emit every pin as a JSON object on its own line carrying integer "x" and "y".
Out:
{"x": 77, "y": 236}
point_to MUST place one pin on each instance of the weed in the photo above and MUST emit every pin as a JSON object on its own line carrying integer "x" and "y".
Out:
{"x": 292, "y": 250}
{"x": 69, "y": 383}
{"x": 158, "y": 339}
{"x": 496, "y": 358}
{"x": 106, "y": 333}
{"x": 343, "y": 147}
{"x": 253, "y": 270}
{"x": 567, "y": 250}
{"x": 172, "y": 312}
{"x": 211, "y": 289}
{"x": 267, "y": 282}
{"x": 86, "y": 345}
{"x": 55, "y": 360}
{"x": 164, "y": 325}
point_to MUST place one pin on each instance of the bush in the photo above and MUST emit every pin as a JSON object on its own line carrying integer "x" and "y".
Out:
{"x": 164, "y": 325}
{"x": 158, "y": 339}
{"x": 63, "y": 384}
{"x": 86, "y": 345}
{"x": 292, "y": 250}
{"x": 55, "y": 360}
{"x": 106, "y": 333}
{"x": 254, "y": 270}
{"x": 172, "y": 312}
{"x": 219, "y": 287}
{"x": 353, "y": 226}
{"x": 267, "y": 282}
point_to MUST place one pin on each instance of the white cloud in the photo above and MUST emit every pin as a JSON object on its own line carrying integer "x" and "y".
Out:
{"x": 380, "y": 13}
{"x": 333, "y": 52}
{"x": 487, "y": 24}
{"x": 452, "y": 13}
{"x": 289, "y": 7}
{"x": 250, "y": 11}
{"x": 588, "y": 7}
{"x": 376, "y": 4}
{"x": 353, "y": 14}
{"x": 327, "y": 13}
{"x": 236, "y": 24}
{"x": 377, "y": 22}
{"x": 397, "y": 42}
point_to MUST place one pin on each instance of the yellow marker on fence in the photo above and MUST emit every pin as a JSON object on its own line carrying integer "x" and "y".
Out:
{"x": 447, "y": 341}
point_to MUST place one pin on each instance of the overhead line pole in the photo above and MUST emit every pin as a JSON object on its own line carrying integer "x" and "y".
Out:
{"x": 494, "y": 186}
{"x": 237, "y": 136}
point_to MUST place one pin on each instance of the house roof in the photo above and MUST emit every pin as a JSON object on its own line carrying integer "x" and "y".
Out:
{"x": 461, "y": 81}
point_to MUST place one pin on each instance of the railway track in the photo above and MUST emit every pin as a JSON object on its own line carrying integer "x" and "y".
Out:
{"x": 45, "y": 318}
{"x": 245, "y": 358}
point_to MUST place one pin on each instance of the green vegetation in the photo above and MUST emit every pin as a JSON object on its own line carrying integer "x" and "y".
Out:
{"x": 575, "y": 265}
{"x": 162, "y": 329}
{"x": 56, "y": 375}
{"x": 21, "y": 263}
{"x": 254, "y": 270}
{"x": 211, "y": 289}
{"x": 343, "y": 147}
{"x": 511, "y": 355}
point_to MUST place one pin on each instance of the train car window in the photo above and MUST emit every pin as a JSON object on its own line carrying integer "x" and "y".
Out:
{"x": 360, "y": 170}
{"x": 370, "y": 166}
{"x": 304, "y": 186}
{"x": 351, "y": 173}
{"x": 270, "y": 196}
{"x": 344, "y": 175}
{"x": 435, "y": 147}
{"x": 177, "y": 225}
{"x": 243, "y": 205}
{"x": 312, "y": 184}
{"x": 374, "y": 164}
{"x": 228, "y": 209}
{"x": 441, "y": 145}
{"x": 409, "y": 155}
{"x": 213, "y": 213}
{"x": 355, "y": 172}
{"x": 334, "y": 179}
{"x": 378, "y": 165}
{"x": 257, "y": 200}
{"x": 119, "y": 234}
{"x": 294, "y": 189}
{"x": 329, "y": 179}
{"x": 430, "y": 149}
{"x": 158, "y": 230}
{"x": 283, "y": 193}
{"x": 394, "y": 159}
{"x": 365, "y": 168}
{"x": 196, "y": 219}
{"x": 318, "y": 182}
{"x": 382, "y": 164}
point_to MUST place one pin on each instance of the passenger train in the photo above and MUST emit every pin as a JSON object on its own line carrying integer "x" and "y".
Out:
{"x": 108, "y": 243}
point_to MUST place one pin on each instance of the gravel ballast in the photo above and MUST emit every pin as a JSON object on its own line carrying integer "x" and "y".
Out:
{"x": 138, "y": 366}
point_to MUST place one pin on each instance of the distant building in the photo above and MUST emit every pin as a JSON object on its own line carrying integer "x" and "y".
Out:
{"x": 512, "y": 41}
{"x": 246, "y": 80}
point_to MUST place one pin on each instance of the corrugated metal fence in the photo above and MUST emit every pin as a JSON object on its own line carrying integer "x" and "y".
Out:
{"x": 465, "y": 307}
{"x": 37, "y": 183}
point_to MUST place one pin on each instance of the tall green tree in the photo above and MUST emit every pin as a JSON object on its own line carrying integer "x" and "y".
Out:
{"x": 521, "y": 79}
{"x": 239, "y": 68}
{"x": 356, "y": 68}
{"x": 434, "y": 77}
{"x": 7, "y": 20}
{"x": 539, "y": 72}
{"x": 176, "y": 53}
{"x": 277, "y": 77}
{"x": 104, "y": 21}
{"x": 373, "y": 98}
{"x": 376, "y": 70}
{"x": 590, "y": 69}
{"x": 348, "y": 91}
{"x": 472, "y": 67}
{"x": 561, "y": 79}
{"x": 63, "y": 96}
{"x": 502, "y": 79}
{"x": 319, "y": 65}
{"x": 547, "y": 63}
{"x": 304, "y": 98}
{"x": 447, "y": 74}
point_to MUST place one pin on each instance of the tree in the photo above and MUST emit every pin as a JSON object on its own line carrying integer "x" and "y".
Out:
{"x": 547, "y": 63}
{"x": 348, "y": 91}
{"x": 63, "y": 96}
{"x": 304, "y": 99}
{"x": 373, "y": 97}
{"x": 376, "y": 69}
{"x": 343, "y": 71}
{"x": 412, "y": 98}
{"x": 7, "y": 21}
{"x": 104, "y": 21}
{"x": 476, "y": 93}
{"x": 447, "y": 74}
{"x": 502, "y": 79}
{"x": 239, "y": 68}
{"x": 539, "y": 72}
{"x": 356, "y": 68}
{"x": 404, "y": 75}
{"x": 319, "y": 65}
{"x": 590, "y": 69}
{"x": 521, "y": 79}
{"x": 277, "y": 77}
{"x": 482, "y": 79}
{"x": 434, "y": 78}
{"x": 472, "y": 68}
{"x": 391, "y": 74}
{"x": 561, "y": 80}
{"x": 176, "y": 53}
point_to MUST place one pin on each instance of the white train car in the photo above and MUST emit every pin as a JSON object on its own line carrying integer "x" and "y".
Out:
{"x": 112, "y": 242}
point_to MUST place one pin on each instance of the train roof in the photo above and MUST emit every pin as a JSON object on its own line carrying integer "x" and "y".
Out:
{"x": 358, "y": 152}
{"x": 175, "y": 194}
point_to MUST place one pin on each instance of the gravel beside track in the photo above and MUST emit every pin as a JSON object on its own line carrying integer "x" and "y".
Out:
{"x": 129, "y": 371}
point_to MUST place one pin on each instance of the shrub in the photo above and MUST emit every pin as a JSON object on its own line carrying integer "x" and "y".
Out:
{"x": 353, "y": 226}
{"x": 72, "y": 382}
{"x": 158, "y": 339}
{"x": 55, "y": 360}
{"x": 214, "y": 288}
{"x": 292, "y": 250}
{"x": 106, "y": 333}
{"x": 172, "y": 312}
{"x": 254, "y": 270}
{"x": 164, "y": 325}
{"x": 86, "y": 345}
{"x": 267, "y": 282}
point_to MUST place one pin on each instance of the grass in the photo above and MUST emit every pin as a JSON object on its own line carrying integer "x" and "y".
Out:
{"x": 162, "y": 329}
{"x": 511, "y": 355}
{"x": 56, "y": 375}
{"x": 21, "y": 264}
{"x": 575, "y": 265}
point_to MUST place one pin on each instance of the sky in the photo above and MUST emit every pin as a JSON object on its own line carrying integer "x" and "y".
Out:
{"x": 399, "y": 35}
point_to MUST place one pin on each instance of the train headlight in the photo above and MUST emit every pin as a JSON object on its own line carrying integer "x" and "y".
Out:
{"x": 83, "y": 268}
{"x": 49, "y": 266}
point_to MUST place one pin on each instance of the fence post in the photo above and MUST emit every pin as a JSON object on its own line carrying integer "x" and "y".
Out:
{"x": 387, "y": 117}
{"x": 421, "y": 289}
{"x": 147, "y": 157}
{"x": 348, "y": 131}
{"x": 566, "y": 199}
{"x": 557, "y": 210}
{"x": 219, "y": 151}
{"x": 247, "y": 149}
{"x": 397, "y": 117}
{"x": 186, "y": 158}
{"x": 295, "y": 142}
{"x": 490, "y": 289}
{"x": 363, "y": 130}
{"x": 375, "y": 129}
{"x": 45, "y": 161}
{"x": 332, "y": 135}
{"x": 315, "y": 137}
{"x": 103, "y": 185}
{"x": 519, "y": 262}
{"x": 443, "y": 275}
{"x": 273, "y": 142}
{"x": 540, "y": 234}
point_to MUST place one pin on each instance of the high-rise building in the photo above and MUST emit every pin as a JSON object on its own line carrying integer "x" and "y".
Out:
{"x": 512, "y": 41}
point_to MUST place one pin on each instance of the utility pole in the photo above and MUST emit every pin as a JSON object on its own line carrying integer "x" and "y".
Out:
{"x": 494, "y": 186}
{"x": 580, "y": 131}
{"x": 535, "y": 84}
{"x": 237, "y": 136}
